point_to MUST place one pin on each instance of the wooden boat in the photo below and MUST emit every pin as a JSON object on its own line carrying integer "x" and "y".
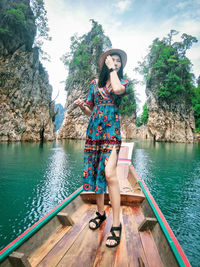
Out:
{"x": 63, "y": 238}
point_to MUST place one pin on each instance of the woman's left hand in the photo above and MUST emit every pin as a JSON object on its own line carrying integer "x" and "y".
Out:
{"x": 109, "y": 62}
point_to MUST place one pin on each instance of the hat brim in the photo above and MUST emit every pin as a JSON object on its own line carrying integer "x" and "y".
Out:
{"x": 111, "y": 51}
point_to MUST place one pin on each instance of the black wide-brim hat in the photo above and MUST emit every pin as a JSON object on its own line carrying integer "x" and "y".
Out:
{"x": 111, "y": 51}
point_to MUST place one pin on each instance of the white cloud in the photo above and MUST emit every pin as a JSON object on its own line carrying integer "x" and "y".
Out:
{"x": 182, "y": 5}
{"x": 122, "y": 5}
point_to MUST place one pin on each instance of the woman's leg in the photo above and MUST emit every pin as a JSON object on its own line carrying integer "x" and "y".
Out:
{"x": 100, "y": 207}
{"x": 113, "y": 189}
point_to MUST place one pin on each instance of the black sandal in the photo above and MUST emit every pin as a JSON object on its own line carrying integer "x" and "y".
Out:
{"x": 99, "y": 217}
{"x": 114, "y": 237}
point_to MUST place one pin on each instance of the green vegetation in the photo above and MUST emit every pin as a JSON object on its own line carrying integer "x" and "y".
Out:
{"x": 24, "y": 24}
{"x": 16, "y": 17}
{"x": 128, "y": 104}
{"x": 82, "y": 60}
{"x": 196, "y": 104}
{"x": 144, "y": 117}
{"x": 166, "y": 69}
{"x": 41, "y": 23}
{"x": 4, "y": 31}
{"x": 12, "y": 19}
{"x": 167, "y": 72}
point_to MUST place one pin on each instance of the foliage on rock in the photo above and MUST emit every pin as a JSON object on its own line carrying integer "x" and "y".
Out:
{"x": 23, "y": 23}
{"x": 128, "y": 104}
{"x": 41, "y": 23}
{"x": 143, "y": 119}
{"x": 82, "y": 60}
{"x": 166, "y": 68}
{"x": 17, "y": 25}
{"x": 196, "y": 104}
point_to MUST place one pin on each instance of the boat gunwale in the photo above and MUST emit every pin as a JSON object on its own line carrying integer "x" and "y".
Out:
{"x": 172, "y": 241}
{"x": 6, "y": 251}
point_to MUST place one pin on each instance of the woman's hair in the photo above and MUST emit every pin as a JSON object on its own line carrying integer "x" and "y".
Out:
{"x": 104, "y": 73}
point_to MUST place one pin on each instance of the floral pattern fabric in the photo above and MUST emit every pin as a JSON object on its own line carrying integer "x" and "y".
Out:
{"x": 103, "y": 133}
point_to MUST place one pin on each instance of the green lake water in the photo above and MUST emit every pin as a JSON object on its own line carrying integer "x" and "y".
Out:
{"x": 34, "y": 178}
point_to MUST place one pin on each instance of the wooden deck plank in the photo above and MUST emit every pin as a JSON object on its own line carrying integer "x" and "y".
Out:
{"x": 138, "y": 214}
{"x": 40, "y": 254}
{"x": 85, "y": 246}
{"x": 59, "y": 250}
{"x": 37, "y": 257}
{"x": 106, "y": 256}
{"x": 133, "y": 241}
{"x": 150, "y": 249}
{"x": 121, "y": 259}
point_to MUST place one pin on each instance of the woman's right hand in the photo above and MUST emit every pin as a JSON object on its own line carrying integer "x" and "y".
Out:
{"x": 79, "y": 102}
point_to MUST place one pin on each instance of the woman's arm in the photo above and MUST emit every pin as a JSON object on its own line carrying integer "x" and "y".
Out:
{"x": 79, "y": 102}
{"x": 117, "y": 87}
{"x": 86, "y": 110}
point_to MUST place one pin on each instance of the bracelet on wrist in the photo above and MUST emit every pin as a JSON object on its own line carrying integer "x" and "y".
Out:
{"x": 111, "y": 69}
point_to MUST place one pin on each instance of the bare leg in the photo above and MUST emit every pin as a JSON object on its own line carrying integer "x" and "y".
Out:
{"x": 114, "y": 190}
{"x": 100, "y": 207}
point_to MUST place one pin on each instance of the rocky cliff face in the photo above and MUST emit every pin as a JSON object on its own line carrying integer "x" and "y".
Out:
{"x": 128, "y": 126}
{"x": 169, "y": 122}
{"x": 26, "y": 110}
{"x": 75, "y": 122}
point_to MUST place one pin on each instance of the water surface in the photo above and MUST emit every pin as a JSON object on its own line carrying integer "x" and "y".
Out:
{"x": 35, "y": 178}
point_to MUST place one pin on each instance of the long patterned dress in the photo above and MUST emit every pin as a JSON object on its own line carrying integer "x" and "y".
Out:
{"x": 102, "y": 134}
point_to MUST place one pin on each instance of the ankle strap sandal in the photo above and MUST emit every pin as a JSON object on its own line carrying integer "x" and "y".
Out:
{"x": 99, "y": 217}
{"x": 114, "y": 237}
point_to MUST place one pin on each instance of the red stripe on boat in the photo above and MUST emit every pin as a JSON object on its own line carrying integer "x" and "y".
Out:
{"x": 175, "y": 241}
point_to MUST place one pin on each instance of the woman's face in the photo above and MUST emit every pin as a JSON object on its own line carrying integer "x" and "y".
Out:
{"x": 117, "y": 62}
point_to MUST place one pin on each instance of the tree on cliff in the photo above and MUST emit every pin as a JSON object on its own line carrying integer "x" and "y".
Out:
{"x": 166, "y": 69}
{"x": 82, "y": 62}
{"x": 143, "y": 119}
{"x": 41, "y": 23}
{"x": 128, "y": 104}
{"x": 144, "y": 116}
{"x": 196, "y": 104}
{"x": 16, "y": 25}
{"x": 21, "y": 25}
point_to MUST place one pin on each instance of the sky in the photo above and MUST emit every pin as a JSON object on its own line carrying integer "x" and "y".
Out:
{"x": 131, "y": 25}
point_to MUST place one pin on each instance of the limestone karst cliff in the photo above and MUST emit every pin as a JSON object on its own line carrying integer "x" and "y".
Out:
{"x": 26, "y": 109}
{"x": 170, "y": 122}
{"x": 169, "y": 89}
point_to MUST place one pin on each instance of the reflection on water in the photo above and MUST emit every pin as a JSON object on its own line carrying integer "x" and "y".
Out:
{"x": 54, "y": 186}
{"x": 172, "y": 174}
{"x": 34, "y": 178}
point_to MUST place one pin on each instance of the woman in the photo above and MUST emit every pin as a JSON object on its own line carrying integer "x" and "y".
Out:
{"x": 103, "y": 138}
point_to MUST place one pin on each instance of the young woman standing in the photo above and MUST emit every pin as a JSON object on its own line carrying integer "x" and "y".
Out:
{"x": 103, "y": 138}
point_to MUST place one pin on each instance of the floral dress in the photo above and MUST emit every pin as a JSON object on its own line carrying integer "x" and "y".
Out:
{"x": 103, "y": 133}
